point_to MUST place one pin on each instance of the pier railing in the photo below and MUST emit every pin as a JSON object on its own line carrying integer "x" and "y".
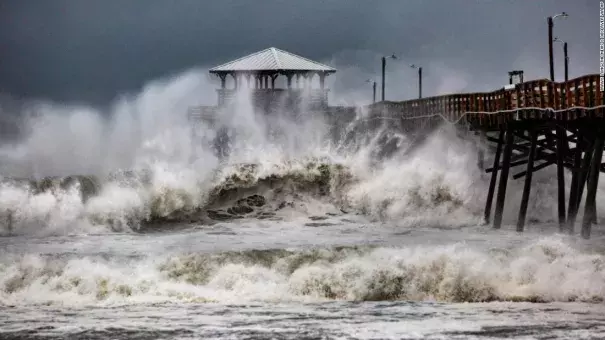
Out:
{"x": 538, "y": 99}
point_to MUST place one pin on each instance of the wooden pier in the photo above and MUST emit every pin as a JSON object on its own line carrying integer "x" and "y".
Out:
{"x": 536, "y": 124}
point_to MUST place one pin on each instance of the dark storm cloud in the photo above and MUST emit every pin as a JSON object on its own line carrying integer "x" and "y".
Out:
{"x": 85, "y": 50}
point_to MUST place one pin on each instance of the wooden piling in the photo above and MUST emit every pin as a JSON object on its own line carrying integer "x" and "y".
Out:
{"x": 584, "y": 170}
{"x": 574, "y": 189}
{"x": 492, "y": 181}
{"x": 590, "y": 207}
{"x": 508, "y": 150}
{"x": 528, "y": 177}
{"x": 561, "y": 141}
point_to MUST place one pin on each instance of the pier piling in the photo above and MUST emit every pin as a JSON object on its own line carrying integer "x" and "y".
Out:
{"x": 561, "y": 148}
{"x": 492, "y": 181}
{"x": 508, "y": 151}
{"x": 590, "y": 208}
{"x": 528, "y": 177}
{"x": 574, "y": 189}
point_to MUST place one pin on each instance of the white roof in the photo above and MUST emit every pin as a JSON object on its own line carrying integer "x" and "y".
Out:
{"x": 272, "y": 59}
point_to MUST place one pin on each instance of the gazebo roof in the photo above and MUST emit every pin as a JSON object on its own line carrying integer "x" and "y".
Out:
{"x": 272, "y": 59}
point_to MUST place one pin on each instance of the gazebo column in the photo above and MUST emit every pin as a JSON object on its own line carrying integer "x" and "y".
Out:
{"x": 235, "y": 80}
{"x": 266, "y": 81}
{"x": 322, "y": 80}
{"x": 308, "y": 80}
{"x": 289, "y": 77}
{"x": 223, "y": 80}
{"x": 298, "y": 80}
{"x": 248, "y": 79}
{"x": 273, "y": 77}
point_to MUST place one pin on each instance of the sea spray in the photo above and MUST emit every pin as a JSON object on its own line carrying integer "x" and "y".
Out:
{"x": 423, "y": 188}
{"x": 144, "y": 167}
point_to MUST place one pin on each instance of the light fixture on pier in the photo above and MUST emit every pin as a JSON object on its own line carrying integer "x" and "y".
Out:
{"x": 560, "y": 131}
{"x": 550, "y": 21}
{"x": 556, "y": 39}
{"x": 384, "y": 64}
{"x": 373, "y": 89}
{"x": 419, "y": 79}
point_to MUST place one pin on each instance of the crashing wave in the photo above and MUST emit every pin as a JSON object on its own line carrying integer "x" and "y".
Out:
{"x": 422, "y": 188}
{"x": 234, "y": 191}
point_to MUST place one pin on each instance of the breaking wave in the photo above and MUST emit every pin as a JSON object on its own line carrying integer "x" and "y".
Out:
{"x": 276, "y": 186}
{"x": 275, "y": 168}
{"x": 135, "y": 199}
{"x": 546, "y": 270}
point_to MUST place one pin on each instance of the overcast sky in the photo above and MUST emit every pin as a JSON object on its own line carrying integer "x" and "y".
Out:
{"x": 94, "y": 50}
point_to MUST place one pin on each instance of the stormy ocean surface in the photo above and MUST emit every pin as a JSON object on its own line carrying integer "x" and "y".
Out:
{"x": 125, "y": 225}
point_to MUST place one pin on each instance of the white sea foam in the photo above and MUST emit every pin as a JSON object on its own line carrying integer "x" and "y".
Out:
{"x": 546, "y": 270}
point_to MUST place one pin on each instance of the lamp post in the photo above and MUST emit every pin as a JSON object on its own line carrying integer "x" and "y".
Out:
{"x": 373, "y": 89}
{"x": 565, "y": 56}
{"x": 550, "y": 21}
{"x": 384, "y": 64}
{"x": 419, "y": 79}
{"x": 559, "y": 131}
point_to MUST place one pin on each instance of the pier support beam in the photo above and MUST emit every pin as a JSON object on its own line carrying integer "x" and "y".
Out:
{"x": 590, "y": 209}
{"x": 528, "y": 177}
{"x": 585, "y": 168}
{"x": 574, "y": 189}
{"x": 561, "y": 150}
{"x": 492, "y": 181}
{"x": 508, "y": 151}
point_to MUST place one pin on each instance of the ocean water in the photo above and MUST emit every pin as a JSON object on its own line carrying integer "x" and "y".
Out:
{"x": 128, "y": 227}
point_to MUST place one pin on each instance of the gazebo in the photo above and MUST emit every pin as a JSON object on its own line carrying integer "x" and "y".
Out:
{"x": 258, "y": 72}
